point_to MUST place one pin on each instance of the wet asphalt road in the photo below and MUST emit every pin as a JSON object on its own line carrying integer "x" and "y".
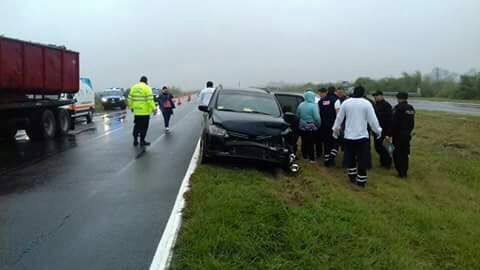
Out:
{"x": 86, "y": 201}
{"x": 451, "y": 107}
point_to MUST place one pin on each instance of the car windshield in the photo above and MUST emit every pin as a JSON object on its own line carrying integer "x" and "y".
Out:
{"x": 247, "y": 102}
{"x": 112, "y": 93}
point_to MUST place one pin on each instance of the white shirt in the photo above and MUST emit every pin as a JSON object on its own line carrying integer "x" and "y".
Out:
{"x": 359, "y": 113}
{"x": 337, "y": 104}
{"x": 205, "y": 95}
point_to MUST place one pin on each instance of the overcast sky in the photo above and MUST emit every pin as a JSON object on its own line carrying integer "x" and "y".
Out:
{"x": 186, "y": 42}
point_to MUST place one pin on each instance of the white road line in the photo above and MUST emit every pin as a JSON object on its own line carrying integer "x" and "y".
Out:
{"x": 129, "y": 164}
{"x": 164, "y": 252}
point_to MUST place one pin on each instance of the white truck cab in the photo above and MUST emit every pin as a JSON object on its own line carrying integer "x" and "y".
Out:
{"x": 85, "y": 101}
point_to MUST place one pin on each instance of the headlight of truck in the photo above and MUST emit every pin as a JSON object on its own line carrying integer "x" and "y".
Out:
{"x": 104, "y": 99}
{"x": 217, "y": 131}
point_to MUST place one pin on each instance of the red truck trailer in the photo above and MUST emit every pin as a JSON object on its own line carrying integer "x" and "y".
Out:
{"x": 33, "y": 79}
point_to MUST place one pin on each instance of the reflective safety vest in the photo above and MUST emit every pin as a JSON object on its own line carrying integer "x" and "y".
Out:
{"x": 140, "y": 99}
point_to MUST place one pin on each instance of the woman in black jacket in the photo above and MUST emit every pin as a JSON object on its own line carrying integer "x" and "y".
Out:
{"x": 166, "y": 104}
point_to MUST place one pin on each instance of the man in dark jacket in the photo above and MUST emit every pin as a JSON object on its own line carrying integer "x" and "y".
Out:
{"x": 383, "y": 110}
{"x": 402, "y": 125}
{"x": 328, "y": 115}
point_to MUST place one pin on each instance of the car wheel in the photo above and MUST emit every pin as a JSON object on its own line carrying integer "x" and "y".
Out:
{"x": 89, "y": 116}
{"x": 204, "y": 158}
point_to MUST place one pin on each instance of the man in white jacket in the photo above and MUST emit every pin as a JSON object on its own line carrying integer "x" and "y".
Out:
{"x": 206, "y": 94}
{"x": 358, "y": 114}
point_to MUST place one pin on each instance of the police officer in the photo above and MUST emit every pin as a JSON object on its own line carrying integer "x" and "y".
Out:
{"x": 341, "y": 97}
{"x": 383, "y": 110}
{"x": 402, "y": 125}
{"x": 327, "y": 114}
{"x": 140, "y": 100}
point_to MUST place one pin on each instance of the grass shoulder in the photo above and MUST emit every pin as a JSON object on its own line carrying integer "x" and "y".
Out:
{"x": 243, "y": 218}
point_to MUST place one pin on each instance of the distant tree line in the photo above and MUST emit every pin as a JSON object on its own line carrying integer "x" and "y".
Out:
{"x": 438, "y": 83}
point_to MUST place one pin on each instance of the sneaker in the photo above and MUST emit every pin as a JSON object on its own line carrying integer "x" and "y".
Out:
{"x": 135, "y": 143}
{"x": 167, "y": 130}
{"x": 145, "y": 143}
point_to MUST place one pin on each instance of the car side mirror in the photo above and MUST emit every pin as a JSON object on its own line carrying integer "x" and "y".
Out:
{"x": 289, "y": 118}
{"x": 203, "y": 108}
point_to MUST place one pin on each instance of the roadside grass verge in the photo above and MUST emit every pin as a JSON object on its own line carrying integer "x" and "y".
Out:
{"x": 243, "y": 218}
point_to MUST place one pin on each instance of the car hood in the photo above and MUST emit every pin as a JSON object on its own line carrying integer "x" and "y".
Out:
{"x": 250, "y": 123}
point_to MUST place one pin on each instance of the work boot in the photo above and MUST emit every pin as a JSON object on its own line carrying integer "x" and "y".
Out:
{"x": 145, "y": 143}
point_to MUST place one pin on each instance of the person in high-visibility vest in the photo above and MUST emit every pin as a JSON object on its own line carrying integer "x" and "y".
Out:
{"x": 140, "y": 101}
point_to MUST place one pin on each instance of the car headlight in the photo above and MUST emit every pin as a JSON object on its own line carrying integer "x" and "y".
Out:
{"x": 104, "y": 99}
{"x": 217, "y": 131}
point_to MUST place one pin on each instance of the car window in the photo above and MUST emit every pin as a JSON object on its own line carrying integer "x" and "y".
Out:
{"x": 248, "y": 103}
{"x": 288, "y": 103}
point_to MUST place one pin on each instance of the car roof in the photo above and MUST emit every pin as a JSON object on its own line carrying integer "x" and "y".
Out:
{"x": 251, "y": 90}
{"x": 289, "y": 94}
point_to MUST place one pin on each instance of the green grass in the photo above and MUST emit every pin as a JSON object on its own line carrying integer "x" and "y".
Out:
{"x": 241, "y": 218}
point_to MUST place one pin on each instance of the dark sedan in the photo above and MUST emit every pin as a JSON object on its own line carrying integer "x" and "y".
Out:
{"x": 113, "y": 98}
{"x": 247, "y": 124}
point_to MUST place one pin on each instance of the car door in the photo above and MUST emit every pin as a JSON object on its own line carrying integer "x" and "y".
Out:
{"x": 289, "y": 103}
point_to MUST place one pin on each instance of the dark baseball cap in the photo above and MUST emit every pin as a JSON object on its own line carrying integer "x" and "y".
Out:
{"x": 377, "y": 93}
{"x": 402, "y": 95}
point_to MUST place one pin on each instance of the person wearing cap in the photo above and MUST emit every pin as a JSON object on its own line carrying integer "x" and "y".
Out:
{"x": 383, "y": 110}
{"x": 328, "y": 114}
{"x": 358, "y": 114}
{"x": 140, "y": 100}
{"x": 403, "y": 122}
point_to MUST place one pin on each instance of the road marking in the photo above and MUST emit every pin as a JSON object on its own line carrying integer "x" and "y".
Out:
{"x": 129, "y": 164}
{"x": 163, "y": 254}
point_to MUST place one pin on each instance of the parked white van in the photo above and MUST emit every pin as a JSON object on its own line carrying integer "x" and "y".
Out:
{"x": 85, "y": 101}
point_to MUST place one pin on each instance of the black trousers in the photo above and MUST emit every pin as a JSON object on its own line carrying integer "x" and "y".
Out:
{"x": 385, "y": 159}
{"x": 401, "y": 153}
{"x": 141, "y": 126}
{"x": 327, "y": 144}
{"x": 308, "y": 144}
{"x": 357, "y": 159}
{"x": 166, "y": 118}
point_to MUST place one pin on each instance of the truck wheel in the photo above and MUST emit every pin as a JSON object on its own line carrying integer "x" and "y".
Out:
{"x": 90, "y": 116}
{"x": 42, "y": 125}
{"x": 62, "y": 121}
